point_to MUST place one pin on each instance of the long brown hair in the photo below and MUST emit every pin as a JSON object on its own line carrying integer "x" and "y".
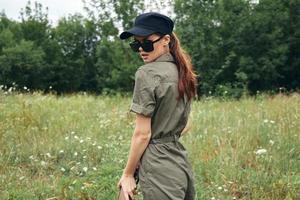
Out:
{"x": 187, "y": 77}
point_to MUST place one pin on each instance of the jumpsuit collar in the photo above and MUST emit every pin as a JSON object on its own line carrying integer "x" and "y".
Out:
{"x": 167, "y": 57}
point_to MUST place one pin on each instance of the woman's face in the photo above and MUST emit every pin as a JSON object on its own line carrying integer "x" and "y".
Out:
{"x": 160, "y": 47}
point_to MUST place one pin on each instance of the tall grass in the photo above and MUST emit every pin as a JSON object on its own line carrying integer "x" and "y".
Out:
{"x": 76, "y": 146}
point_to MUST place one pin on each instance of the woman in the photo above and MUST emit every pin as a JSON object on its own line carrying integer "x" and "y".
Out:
{"x": 164, "y": 88}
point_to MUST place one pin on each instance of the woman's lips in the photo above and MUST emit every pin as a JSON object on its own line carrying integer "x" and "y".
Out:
{"x": 144, "y": 55}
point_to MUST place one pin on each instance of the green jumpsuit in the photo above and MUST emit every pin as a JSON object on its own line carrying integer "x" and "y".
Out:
{"x": 164, "y": 173}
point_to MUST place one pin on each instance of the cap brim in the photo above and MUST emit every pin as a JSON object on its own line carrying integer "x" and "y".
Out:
{"x": 135, "y": 31}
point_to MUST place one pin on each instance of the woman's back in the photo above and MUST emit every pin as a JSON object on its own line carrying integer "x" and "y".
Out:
{"x": 158, "y": 89}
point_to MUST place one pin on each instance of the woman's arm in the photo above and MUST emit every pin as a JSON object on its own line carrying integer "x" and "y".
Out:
{"x": 139, "y": 142}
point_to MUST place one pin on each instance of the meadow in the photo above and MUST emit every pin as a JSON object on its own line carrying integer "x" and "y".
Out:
{"x": 76, "y": 146}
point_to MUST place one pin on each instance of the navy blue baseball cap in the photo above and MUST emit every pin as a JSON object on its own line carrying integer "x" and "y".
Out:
{"x": 148, "y": 23}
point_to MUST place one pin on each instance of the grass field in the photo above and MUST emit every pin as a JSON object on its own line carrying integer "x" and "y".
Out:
{"x": 75, "y": 147}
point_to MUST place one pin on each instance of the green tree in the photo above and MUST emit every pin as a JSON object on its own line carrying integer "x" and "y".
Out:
{"x": 114, "y": 62}
{"x": 35, "y": 23}
{"x": 67, "y": 70}
{"x": 291, "y": 71}
{"x": 22, "y": 64}
{"x": 241, "y": 45}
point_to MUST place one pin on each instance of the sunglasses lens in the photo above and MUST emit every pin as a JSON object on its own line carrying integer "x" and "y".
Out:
{"x": 135, "y": 46}
{"x": 147, "y": 46}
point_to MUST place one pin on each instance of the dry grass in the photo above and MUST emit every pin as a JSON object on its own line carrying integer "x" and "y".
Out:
{"x": 75, "y": 147}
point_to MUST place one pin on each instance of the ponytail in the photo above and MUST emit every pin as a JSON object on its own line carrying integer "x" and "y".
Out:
{"x": 187, "y": 78}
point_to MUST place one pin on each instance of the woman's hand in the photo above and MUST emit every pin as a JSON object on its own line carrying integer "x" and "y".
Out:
{"x": 128, "y": 185}
{"x": 186, "y": 128}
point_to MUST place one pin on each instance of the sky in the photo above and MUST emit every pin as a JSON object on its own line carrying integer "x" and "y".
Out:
{"x": 57, "y": 8}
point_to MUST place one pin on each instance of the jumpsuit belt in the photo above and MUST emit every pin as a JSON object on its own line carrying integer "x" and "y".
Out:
{"x": 167, "y": 139}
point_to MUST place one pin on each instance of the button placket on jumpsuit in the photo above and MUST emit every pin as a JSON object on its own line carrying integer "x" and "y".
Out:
{"x": 165, "y": 172}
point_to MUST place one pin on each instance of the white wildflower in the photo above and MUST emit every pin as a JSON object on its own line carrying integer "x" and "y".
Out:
{"x": 85, "y": 169}
{"x": 61, "y": 151}
{"x": 271, "y": 142}
{"x": 63, "y": 169}
{"x": 261, "y": 151}
{"x": 75, "y": 154}
{"x": 48, "y": 154}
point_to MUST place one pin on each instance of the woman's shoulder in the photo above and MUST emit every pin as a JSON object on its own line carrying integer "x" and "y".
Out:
{"x": 147, "y": 75}
{"x": 148, "y": 67}
{"x": 159, "y": 68}
{"x": 149, "y": 70}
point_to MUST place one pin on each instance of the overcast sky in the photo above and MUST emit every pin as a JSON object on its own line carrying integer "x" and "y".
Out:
{"x": 57, "y": 8}
{"x": 60, "y": 8}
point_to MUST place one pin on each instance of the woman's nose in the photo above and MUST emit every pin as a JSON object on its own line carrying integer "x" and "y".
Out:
{"x": 140, "y": 49}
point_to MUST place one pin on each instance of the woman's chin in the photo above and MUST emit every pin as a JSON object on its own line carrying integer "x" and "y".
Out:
{"x": 146, "y": 60}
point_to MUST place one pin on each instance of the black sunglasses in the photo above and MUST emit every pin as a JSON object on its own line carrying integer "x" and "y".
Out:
{"x": 147, "y": 45}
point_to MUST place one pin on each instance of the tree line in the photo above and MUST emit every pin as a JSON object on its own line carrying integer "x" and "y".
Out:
{"x": 237, "y": 46}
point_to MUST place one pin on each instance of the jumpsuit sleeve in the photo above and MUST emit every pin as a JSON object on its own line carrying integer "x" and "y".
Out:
{"x": 143, "y": 100}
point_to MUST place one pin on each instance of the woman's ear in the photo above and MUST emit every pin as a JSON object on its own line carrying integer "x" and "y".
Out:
{"x": 166, "y": 40}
